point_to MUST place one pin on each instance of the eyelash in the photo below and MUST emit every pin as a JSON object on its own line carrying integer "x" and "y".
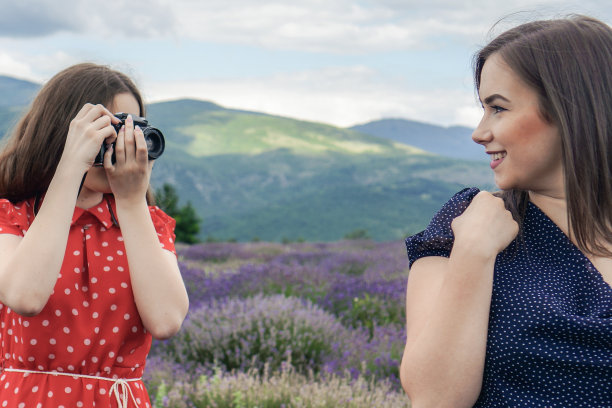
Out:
{"x": 497, "y": 108}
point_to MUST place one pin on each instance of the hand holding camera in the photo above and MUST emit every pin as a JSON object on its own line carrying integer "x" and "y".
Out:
{"x": 128, "y": 161}
{"x": 153, "y": 137}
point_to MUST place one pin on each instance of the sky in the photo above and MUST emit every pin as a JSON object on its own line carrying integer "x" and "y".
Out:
{"x": 340, "y": 62}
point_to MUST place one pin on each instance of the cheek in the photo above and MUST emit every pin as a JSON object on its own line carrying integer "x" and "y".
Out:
{"x": 537, "y": 136}
{"x": 96, "y": 177}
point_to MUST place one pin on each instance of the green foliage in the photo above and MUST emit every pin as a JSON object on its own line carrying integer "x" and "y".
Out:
{"x": 187, "y": 224}
{"x": 162, "y": 392}
{"x": 358, "y": 234}
{"x": 167, "y": 199}
{"x": 283, "y": 389}
{"x": 370, "y": 311}
{"x": 187, "y": 220}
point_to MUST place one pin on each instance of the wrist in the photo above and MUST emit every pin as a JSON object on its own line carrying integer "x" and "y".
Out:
{"x": 476, "y": 250}
{"x": 66, "y": 177}
{"x": 68, "y": 165}
{"x": 131, "y": 204}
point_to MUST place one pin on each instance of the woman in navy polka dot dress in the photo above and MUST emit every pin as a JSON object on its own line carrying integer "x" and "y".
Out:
{"x": 509, "y": 302}
{"x": 88, "y": 272}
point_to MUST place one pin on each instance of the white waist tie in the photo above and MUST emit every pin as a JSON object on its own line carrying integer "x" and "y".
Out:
{"x": 122, "y": 396}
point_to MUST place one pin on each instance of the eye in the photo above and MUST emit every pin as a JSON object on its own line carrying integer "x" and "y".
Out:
{"x": 497, "y": 108}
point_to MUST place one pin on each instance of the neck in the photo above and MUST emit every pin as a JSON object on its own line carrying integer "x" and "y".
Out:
{"x": 554, "y": 206}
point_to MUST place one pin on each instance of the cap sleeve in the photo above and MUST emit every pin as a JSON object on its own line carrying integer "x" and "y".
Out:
{"x": 14, "y": 218}
{"x": 164, "y": 226}
{"x": 437, "y": 239}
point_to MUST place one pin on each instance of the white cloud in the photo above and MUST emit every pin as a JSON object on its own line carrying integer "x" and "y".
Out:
{"x": 339, "y": 26}
{"x": 35, "y": 18}
{"x": 36, "y": 67}
{"x": 13, "y": 67}
{"x": 342, "y": 96}
{"x": 347, "y": 26}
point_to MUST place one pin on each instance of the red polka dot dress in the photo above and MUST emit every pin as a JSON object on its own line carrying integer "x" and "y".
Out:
{"x": 88, "y": 346}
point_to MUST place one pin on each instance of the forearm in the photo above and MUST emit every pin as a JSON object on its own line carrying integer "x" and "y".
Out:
{"x": 30, "y": 270}
{"x": 159, "y": 291}
{"x": 444, "y": 360}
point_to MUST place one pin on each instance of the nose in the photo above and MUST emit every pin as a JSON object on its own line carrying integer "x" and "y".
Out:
{"x": 482, "y": 134}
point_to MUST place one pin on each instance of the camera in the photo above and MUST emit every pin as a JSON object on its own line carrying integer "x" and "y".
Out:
{"x": 154, "y": 138}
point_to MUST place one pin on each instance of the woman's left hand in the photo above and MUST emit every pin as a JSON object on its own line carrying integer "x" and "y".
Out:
{"x": 129, "y": 176}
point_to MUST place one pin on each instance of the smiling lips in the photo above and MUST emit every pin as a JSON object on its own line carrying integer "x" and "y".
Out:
{"x": 496, "y": 158}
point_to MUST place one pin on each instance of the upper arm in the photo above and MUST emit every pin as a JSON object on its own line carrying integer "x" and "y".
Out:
{"x": 8, "y": 246}
{"x": 171, "y": 258}
{"x": 424, "y": 283}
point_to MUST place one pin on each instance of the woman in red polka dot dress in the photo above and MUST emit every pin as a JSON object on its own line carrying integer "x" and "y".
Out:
{"x": 88, "y": 273}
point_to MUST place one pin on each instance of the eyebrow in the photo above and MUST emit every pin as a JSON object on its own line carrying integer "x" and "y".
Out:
{"x": 491, "y": 98}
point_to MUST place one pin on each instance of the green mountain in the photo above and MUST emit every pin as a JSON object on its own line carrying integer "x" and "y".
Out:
{"x": 203, "y": 129}
{"x": 256, "y": 176}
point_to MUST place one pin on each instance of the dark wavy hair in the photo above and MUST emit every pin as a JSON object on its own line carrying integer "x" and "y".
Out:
{"x": 32, "y": 152}
{"x": 568, "y": 63}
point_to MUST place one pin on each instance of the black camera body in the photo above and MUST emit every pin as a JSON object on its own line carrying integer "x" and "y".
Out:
{"x": 153, "y": 136}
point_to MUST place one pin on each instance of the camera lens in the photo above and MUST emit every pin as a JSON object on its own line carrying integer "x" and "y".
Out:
{"x": 155, "y": 142}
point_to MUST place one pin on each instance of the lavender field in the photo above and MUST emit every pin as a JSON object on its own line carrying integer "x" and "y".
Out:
{"x": 286, "y": 325}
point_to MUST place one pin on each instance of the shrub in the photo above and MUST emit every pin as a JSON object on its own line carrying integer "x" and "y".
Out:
{"x": 253, "y": 332}
{"x": 283, "y": 389}
{"x": 359, "y": 303}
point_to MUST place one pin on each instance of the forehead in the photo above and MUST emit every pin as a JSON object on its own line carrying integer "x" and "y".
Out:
{"x": 126, "y": 103}
{"x": 497, "y": 77}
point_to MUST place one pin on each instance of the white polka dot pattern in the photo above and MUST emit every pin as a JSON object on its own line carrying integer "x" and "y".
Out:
{"x": 550, "y": 325}
{"x": 86, "y": 326}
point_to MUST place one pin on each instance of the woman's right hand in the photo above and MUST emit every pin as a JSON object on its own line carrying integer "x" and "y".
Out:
{"x": 91, "y": 127}
{"x": 486, "y": 227}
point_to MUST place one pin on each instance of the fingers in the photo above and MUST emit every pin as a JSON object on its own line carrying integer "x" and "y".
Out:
{"x": 130, "y": 144}
{"x": 142, "y": 153}
{"x": 92, "y": 112}
{"x": 120, "y": 155}
{"x": 97, "y": 121}
{"x": 130, "y": 148}
{"x": 108, "y": 161}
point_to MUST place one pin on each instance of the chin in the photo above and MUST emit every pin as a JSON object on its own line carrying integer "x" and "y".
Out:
{"x": 506, "y": 185}
{"x": 96, "y": 180}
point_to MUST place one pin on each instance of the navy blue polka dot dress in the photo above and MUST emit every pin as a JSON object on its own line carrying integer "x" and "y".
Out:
{"x": 550, "y": 326}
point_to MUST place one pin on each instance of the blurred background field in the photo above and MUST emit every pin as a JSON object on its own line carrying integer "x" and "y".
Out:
{"x": 286, "y": 325}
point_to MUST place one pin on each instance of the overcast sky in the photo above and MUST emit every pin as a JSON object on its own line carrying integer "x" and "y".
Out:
{"x": 341, "y": 62}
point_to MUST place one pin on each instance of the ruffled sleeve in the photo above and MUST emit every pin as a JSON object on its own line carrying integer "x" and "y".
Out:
{"x": 14, "y": 218}
{"x": 164, "y": 225}
{"x": 437, "y": 239}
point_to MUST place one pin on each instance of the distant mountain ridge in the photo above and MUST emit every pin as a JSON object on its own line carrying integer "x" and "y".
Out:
{"x": 453, "y": 141}
{"x": 256, "y": 176}
{"x": 16, "y": 92}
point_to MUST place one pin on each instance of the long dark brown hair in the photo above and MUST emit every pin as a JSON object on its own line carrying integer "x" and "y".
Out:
{"x": 568, "y": 63}
{"x": 32, "y": 152}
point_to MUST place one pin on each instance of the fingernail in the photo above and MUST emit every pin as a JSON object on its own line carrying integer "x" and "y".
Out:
{"x": 130, "y": 119}
{"x": 137, "y": 127}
